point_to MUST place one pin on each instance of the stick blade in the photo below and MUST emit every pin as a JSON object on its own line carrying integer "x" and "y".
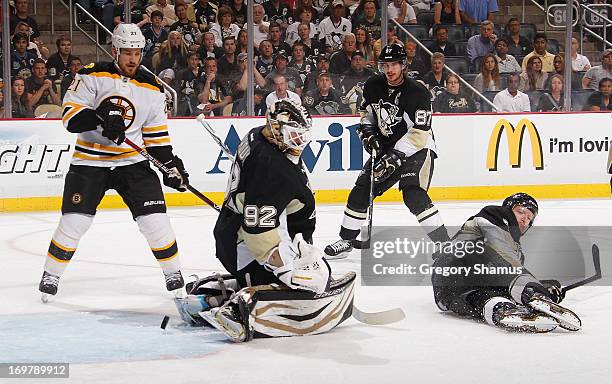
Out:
{"x": 596, "y": 264}
{"x": 379, "y": 318}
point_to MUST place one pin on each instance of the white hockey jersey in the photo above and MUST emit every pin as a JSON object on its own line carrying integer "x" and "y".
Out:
{"x": 334, "y": 32}
{"x": 143, "y": 106}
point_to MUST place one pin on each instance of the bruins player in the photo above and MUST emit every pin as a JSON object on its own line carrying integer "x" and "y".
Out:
{"x": 396, "y": 125}
{"x": 106, "y": 103}
{"x": 498, "y": 288}
{"x": 263, "y": 237}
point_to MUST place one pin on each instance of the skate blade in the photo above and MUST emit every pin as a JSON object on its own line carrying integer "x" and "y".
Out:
{"x": 339, "y": 256}
{"x": 179, "y": 293}
{"x": 45, "y": 297}
{"x": 233, "y": 331}
{"x": 538, "y": 325}
{"x": 566, "y": 318}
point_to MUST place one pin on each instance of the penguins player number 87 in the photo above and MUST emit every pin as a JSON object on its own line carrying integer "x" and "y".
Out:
{"x": 264, "y": 216}
{"x": 422, "y": 117}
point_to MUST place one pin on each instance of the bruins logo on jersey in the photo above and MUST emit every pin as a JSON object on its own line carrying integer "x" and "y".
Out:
{"x": 128, "y": 113}
{"x": 386, "y": 114}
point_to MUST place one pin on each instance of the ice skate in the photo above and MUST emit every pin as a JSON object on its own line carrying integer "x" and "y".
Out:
{"x": 338, "y": 250}
{"x": 48, "y": 286}
{"x": 515, "y": 317}
{"x": 567, "y": 319}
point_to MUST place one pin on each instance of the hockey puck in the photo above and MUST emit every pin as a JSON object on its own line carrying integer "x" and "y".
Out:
{"x": 165, "y": 322}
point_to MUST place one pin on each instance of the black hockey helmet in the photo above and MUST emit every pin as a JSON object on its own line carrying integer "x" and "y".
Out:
{"x": 392, "y": 52}
{"x": 523, "y": 200}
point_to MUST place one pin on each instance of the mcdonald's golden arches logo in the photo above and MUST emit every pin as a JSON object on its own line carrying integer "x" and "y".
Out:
{"x": 514, "y": 136}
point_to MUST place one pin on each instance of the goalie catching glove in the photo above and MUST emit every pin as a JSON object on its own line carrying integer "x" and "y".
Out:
{"x": 388, "y": 165}
{"x": 303, "y": 266}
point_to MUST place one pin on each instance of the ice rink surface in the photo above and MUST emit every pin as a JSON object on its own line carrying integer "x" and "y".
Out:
{"x": 105, "y": 319}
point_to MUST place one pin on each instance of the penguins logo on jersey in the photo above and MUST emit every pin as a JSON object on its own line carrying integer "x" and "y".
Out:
{"x": 387, "y": 116}
{"x": 328, "y": 108}
{"x": 127, "y": 109}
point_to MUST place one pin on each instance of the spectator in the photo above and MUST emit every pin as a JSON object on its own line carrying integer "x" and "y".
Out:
{"x": 353, "y": 80}
{"x": 39, "y": 88}
{"x": 317, "y": 16}
{"x": 36, "y": 46}
{"x": 104, "y": 10}
{"x": 533, "y": 78}
{"x": 483, "y": 43}
{"x": 436, "y": 78}
{"x": 452, "y": 100}
{"x": 440, "y": 44}
{"x": 22, "y": 13}
{"x": 507, "y": 63}
{"x": 138, "y": 15}
{"x": 214, "y": 95}
{"x": 154, "y": 35}
{"x": 239, "y": 9}
{"x": 299, "y": 62}
{"x": 228, "y": 63}
{"x": 420, "y": 5}
{"x": 241, "y": 85}
{"x": 208, "y": 47}
{"x": 334, "y": 27}
{"x": 415, "y": 68}
{"x": 239, "y": 108}
{"x": 281, "y": 91}
{"x": 511, "y": 99}
{"x": 539, "y": 50}
{"x": 58, "y": 62}
{"x": 488, "y": 79}
{"x": 205, "y": 14}
{"x": 291, "y": 77}
{"x": 187, "y": 80}
{"x": 168, "y": 76}
{"x": 278, "y": 12}
{"x": 559, "y": 68}
{"x": 370, "y": 20}
{"x": 600, "y": 100}
{"x": 306, "y": 16}
{"x": 447, "y": 12}
{"x": 22, "y": 60}
{"x": 74, "y": 65}
{"x": 325, "y": 100}
{"x": 391, "y": 39}
{"x": 599, "y": 72}
{"x": 401, "y": 11}
{"x": 21, "y": 109}
{"x": 340, "y": 60}
{"x": 242, "y": 44}
{"x": 518, "y": 45}
{"x": 363, "y": 44}
{"x": 260, "y": 27}
{"x": 189, "y": 29}
{"x": 224, "y": 26}
{"x": 579, "y": 62}
{"x": 166, "y": 9}
{"x": 322, "y": 65}
{"x": 265, "y": 60}
{"x": 477, "y": 11}
{"x": 172, "y": 53}
{"x": 275, "y": 37}
{"x": 313, "y": 47}
{"x": 552, "y": 101}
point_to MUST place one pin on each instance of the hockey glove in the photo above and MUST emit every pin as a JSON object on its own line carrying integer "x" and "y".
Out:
{"x": 367, "y": 134}
{"x": 554, "y": 290}
{"x": 388, "y": 165}
{"x": 179, "y": 178}
{"x": 113, "y": 127}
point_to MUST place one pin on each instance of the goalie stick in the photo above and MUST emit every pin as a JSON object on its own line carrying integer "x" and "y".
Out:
{"x": 365, "y": 244}
{"x": 168, "y": 172}
{"x": 596, "y": 276}
{"x": 371, "y": 318}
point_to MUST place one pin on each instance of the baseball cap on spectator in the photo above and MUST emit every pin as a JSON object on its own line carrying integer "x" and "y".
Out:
{"x": 357, "y": 53}
{"x": 282, "y": 54}
{"x": 323, "y": 56}
{"x": 259, "y": 90}
{"x": 167, "y": 73}
{"x": 243, "y": 56}
{"x": 336, "y": 3}
{"x": 323, "y": 74}
{"x": 606, "y": 53}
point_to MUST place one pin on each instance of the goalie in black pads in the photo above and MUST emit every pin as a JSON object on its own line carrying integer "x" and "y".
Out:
{"x": 280, "y": 284}
{"x": 497, "y": 287}
{"x": 396, "y": 126}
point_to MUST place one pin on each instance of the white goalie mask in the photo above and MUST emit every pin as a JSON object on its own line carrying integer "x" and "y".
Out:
{"x": 288, "y": 126}
{"x": 127, "y": 36}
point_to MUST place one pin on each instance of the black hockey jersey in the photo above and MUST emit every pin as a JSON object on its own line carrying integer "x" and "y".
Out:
{"x": 331, "y": 104}
{"x": 268, "y": 199}
{"x": 401, "y": 113}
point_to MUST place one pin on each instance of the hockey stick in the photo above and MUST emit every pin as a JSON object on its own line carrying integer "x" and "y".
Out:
{"x": 168, "y": 172}
{"x": 365, "y": 244}
{"x": 379, "y": 318}
{"x": 596, "y": 276}
{"x": 211, "y": 131}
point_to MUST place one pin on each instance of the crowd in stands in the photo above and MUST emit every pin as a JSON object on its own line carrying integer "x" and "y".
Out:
{"x": 318, "y": 52}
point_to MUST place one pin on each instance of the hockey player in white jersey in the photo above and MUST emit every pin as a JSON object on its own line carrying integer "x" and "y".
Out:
{"x": 106, "y": 103}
